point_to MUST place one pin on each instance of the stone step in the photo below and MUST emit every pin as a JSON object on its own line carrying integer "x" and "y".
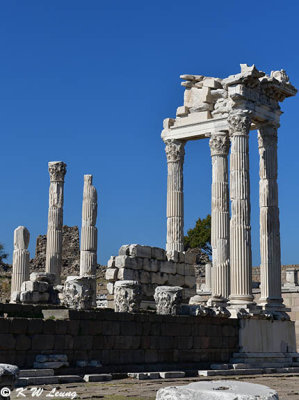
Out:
{"x": 38, "y": 380}
{"x": 36, "y": 372}
{"x": 97, "y": 377}
{"x": 288, "y": 369}
{"x": 252, "y": 371}
{"x": 144, "y": 375}
{"x": 262, "y": 355}
{"x": 257, "y": 360}
{"x": 48, "y": 380}
{"x": 260, "y": 365}
{"x": 172, "y": 374}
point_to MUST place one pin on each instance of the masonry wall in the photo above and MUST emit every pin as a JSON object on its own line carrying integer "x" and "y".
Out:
{"x": 152, "y": 267}
{"x": 120, "y": 341}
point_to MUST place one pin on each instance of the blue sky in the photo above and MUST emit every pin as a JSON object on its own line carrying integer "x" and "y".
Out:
{"x": 90, "y": 82}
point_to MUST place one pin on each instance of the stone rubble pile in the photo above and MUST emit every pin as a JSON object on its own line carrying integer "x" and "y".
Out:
{"x": 152, "y": 267}
{"x": 39, "y": 289}
{"x": 8, "y": 376}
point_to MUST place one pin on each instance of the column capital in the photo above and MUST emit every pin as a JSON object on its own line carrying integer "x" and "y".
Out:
{"x": 267, "y": 135}
{"x": 239, "y": 123}
{"x": 175, "y": 150}
{"x": 219, "y": 144}
{"x": 57, "y": 171}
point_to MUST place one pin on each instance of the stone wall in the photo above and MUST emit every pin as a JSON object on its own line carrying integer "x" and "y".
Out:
{"x": 256, "y": 272}
{"x": 122, "y": 342}
{"x": 152, "y": 267}
{"x": 291, "y": 300}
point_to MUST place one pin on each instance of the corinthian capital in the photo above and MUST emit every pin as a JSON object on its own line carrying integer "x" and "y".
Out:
{"x": 239, "y": 122}
{"x": 175, "y": 150}
{"x": 57, "y": 170}
{"x": 267, "y": 135}
{"x": 219, "y": 144}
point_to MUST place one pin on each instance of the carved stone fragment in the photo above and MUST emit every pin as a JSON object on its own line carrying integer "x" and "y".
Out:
{"x": 127, "y": 296}
{"x": 168, "y": 300}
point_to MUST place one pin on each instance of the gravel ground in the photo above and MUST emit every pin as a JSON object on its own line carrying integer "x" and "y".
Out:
{"x": 287, "y": 386}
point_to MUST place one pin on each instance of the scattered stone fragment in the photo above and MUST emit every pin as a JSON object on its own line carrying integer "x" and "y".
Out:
{"x": 97, "y": 377}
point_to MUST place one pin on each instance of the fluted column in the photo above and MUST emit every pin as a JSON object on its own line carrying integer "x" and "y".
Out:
{"x": 89, "y": 234}
{"x": 240, "y": 230}
{"x": 269, "y": 219}
{"x": 57, "y": 171}
{"x": 219, "y": 145}
{"x": 20, "y": 266}
{"x": 175, "y": 196}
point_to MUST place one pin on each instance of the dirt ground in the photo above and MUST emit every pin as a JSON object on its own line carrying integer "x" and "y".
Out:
{"x": 287, "y": 386}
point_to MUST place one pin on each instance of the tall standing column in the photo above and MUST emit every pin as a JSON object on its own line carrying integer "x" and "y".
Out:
{"x": 175, "y": 196}
{"x": 20, "y": 266}
{"x": 57, "y": 171}
{"x": 269, "y": 219}
{"x": 240, "y": 230}
{"x": 219, "y": 145}
{"x": 89, "y": 234}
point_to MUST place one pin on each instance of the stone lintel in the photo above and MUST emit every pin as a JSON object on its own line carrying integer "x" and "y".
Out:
{"x": 188, "y": 130}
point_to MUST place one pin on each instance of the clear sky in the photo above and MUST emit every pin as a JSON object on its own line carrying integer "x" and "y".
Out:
{"x": 89, "y": 82}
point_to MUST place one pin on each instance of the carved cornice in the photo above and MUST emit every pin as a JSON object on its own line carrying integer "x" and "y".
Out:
{"x": 175, "y": 150}
{"x": 239, "y": 123}
{"x": 219, "y": 145}
{"x": 57, "y": 171}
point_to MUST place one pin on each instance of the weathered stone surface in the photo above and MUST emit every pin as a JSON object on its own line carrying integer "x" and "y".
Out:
{"x": 57, "y": 171}
{"x": 127, "y": 296}
{"x": 172, "y": 374}
{"x": 42, "y": 277}
{"x": 97, "y": 377}
{"x": 158, "y": 254}
{"x": 168, "y": 267}
{"x": 126, "y": 274}
{"x": 214, "y": 390}
{"x": 220, "y": 282}
{"x": 125, "y": 262}
{"x": 38, "y": 286}
{"x": 168, "y": 299}
{"x": 111, "y": 274}
{"x": 136, "y": 250}
{"x": 175, "y": 153}
{"x": 34, "y": 297}
{"x": 88, "y": 250}
{"x": 20, "y": 268}
{"x": 79, "y": 292}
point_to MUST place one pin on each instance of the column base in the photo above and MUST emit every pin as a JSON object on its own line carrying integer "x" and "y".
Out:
{"x": 241, "y": 300}
{"x": 217, "y": 301}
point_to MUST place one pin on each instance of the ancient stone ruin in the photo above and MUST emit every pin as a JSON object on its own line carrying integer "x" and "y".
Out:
{"x": 156, "y": 316}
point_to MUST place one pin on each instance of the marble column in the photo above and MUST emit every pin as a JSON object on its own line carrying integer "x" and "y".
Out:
{"x": 240, "y": 229}
{"x": 175, "y": 196}
{"x": 57, "y": 171}
{"x": 20, "y": 265}
{"x": 89, "y": 234}
{"x": 269, "y": 219}
{"x": 219, "y": 145}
